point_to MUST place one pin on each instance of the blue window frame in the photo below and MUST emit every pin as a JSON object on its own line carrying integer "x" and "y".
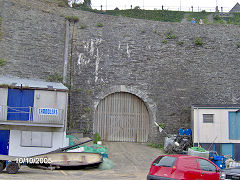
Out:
{"x": 234, "y": 125}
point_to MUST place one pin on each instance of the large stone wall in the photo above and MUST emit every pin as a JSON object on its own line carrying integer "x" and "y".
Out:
{"x": 124, "y": 55}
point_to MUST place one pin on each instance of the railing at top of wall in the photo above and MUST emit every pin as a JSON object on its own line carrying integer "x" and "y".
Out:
{"x": 32, "y": 115}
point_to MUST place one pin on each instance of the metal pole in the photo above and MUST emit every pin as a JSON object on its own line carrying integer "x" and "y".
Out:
{"x": 106, "y": 5}
{"x": 66, "y": 52}
{"x": 198, "y": 127}
{"x": 180, "y": 5}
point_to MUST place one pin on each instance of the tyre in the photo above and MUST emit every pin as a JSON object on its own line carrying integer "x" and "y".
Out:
{"x": 1, "y": 166}
{"x": 12, "y": 168}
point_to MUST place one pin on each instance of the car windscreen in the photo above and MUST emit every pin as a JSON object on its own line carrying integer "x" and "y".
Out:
{"x": 166, "y": 161}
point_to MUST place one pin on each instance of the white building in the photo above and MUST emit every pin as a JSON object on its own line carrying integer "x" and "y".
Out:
{"x": 33, "y": 116}
{"x": 217, "y": 127}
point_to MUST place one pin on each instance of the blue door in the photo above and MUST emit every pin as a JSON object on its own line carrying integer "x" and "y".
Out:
{"x": 4, "y": 141}
{"x": 227, "y": 149}
{"x": 234, "y": 125}
{"x": 18, "y": 103}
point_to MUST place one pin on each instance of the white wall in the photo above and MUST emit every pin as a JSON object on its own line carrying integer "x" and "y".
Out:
{"x": 216, "y": 132}
{"x": 51, "y": 99}
{"x": 58, "y": 141}
{"x": 3, "y": 103}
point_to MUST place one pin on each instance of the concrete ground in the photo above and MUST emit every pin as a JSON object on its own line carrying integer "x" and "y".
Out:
{"x": 131, "y": 161}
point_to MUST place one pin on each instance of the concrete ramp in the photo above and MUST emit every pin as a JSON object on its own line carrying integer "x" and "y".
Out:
{"x": 131, "y": 158}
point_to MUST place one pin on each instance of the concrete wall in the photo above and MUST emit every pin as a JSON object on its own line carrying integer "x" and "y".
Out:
{"x": 15, "y": 149}
{"x": 216, "y": 132}
{"x": 127, "y": 53}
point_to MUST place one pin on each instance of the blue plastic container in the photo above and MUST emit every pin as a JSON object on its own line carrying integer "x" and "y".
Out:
{"x": 181, "y": 131}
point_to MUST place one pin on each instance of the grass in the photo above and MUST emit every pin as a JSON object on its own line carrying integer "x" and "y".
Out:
{"x": 86, "y": 109}
{"x": 156, "y": 15}
{"x": 154, "y": 145}
{"x": 4, "y": 85}
{"x": 83, "y": 26}
{"x": 60, "y": 3}
{"x": 3, "y": 61}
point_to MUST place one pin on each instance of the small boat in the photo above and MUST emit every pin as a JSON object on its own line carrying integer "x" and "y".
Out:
{"x": 55, "y": 159}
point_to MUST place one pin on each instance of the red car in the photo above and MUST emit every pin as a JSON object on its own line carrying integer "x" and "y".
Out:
{"x": 167, "y": 167}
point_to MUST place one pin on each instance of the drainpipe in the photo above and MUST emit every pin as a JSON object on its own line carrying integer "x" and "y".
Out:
{"x": 66, "y": 52}
{"x": 198, "y": 127}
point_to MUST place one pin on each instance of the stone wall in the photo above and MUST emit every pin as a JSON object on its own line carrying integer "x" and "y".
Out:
{"x": 124, "y": 54}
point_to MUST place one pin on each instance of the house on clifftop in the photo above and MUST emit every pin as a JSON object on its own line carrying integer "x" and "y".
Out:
{"x": 235, "y": 9}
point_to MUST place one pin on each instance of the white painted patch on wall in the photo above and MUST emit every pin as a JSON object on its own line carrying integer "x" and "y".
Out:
{"x": 86, "y": 46}
{"x": 97, "y": 66}
{"x": 92, "y": 48}
{"x": 128, "y": 51}
{"x": 81, "y": 60}
{"x": 119, "y": 45}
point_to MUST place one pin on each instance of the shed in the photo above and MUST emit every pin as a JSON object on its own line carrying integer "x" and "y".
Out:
{"x": 33, "y": 116}
{"x": 216, "y": 127}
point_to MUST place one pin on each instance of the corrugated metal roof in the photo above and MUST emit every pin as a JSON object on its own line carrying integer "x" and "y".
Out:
{"x": 217, "y": 105}
{"x": 31, "y": 83}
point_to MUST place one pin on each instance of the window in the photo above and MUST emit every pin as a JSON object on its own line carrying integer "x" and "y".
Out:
{"x": 207, "y": 118}
{"x": 206, "y": 166}
{"x": 36, "y": 139}
{"x": 166, "y": 161}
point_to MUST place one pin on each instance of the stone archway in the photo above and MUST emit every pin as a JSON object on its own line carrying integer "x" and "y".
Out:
{"x": 124, "y": 114}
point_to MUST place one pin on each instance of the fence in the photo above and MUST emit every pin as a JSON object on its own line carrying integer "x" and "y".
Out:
{"x": 32, "y": 115}
{"x": 172, "y": 8}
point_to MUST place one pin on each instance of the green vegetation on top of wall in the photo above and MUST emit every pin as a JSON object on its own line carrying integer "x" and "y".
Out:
{"x": 55, "y": 77}
{"x": 60, "y": 3}
{"x": 235, "y": 19}
{"x": 199, "y": 15}
{"x": 156, "y": 15}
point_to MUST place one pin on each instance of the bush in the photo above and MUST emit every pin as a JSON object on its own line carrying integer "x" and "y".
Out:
{"x": 100, "y": 24}
{"x": 73, "y": 19}
{"x": 164, "y": 41}
{"x": 55, "y": 77}
{"x": 97, "y": 138}
{"x": 180, "y": 43}
{"x": 136, "y": 8}
{"x": 198, "y": 41}
{"x": 170, "y": 35}
{"x": 238, "y": 45}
